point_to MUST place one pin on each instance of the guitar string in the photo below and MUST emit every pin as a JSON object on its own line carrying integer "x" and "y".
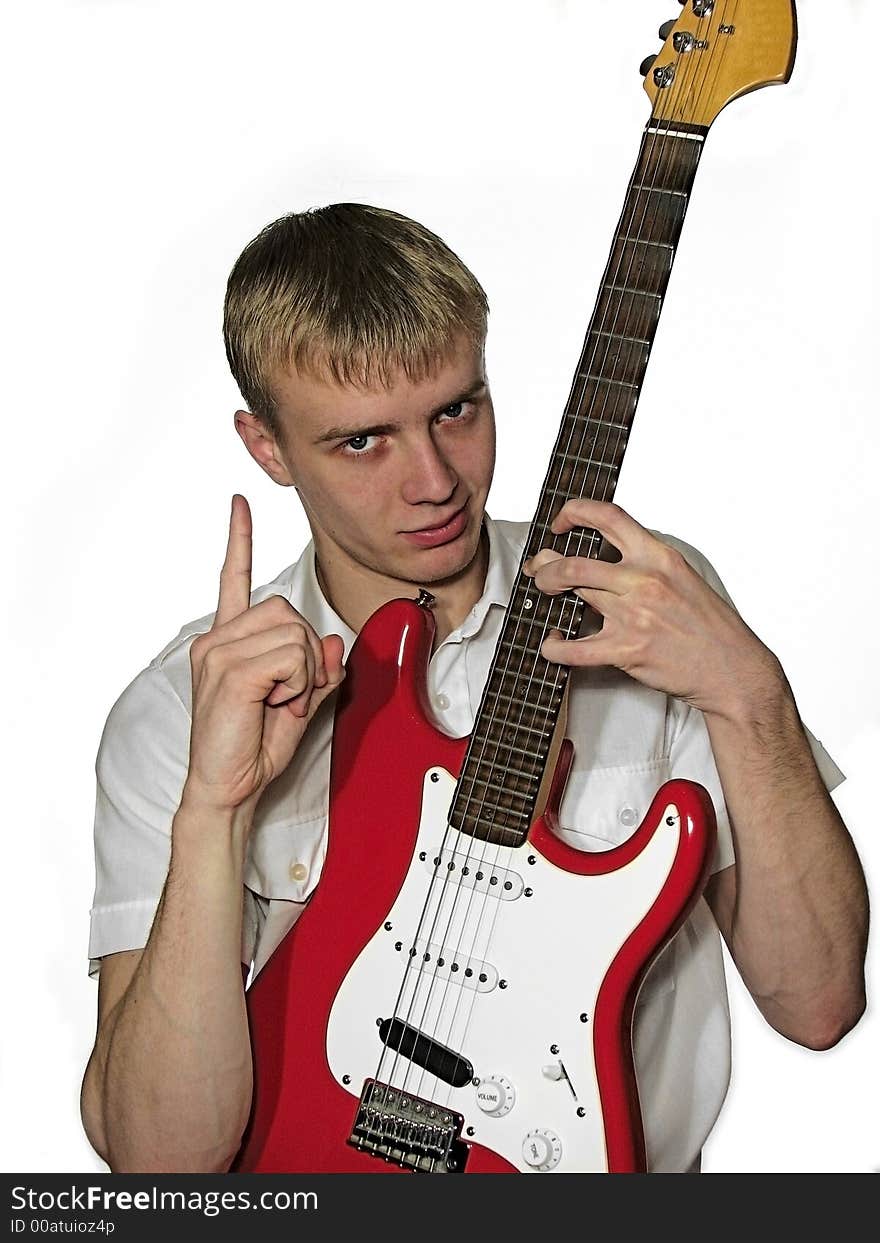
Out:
{"x": 636, "y": 235}
{"x": 591, "y": 538}
{"x": 497, "y": 907}
{"x": 628, "y": 231}
{"x": 473, "y": 890}
{"x": 460, "y": 994}
{"x": 448, "y": 980}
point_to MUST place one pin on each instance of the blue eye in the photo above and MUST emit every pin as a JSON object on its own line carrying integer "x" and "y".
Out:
{"x": 357, "y": 446}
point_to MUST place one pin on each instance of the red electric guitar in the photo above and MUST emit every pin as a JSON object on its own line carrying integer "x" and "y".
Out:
{"x": 435, "y": 1008}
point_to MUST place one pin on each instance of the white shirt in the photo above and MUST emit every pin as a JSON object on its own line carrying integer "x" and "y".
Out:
{"x": 628, "y": 740}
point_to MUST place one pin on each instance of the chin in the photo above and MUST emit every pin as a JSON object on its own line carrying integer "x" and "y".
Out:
{"x": 436, "y": 565}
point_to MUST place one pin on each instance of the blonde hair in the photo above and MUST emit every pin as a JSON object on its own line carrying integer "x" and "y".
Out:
{"x": 347, "y": 292}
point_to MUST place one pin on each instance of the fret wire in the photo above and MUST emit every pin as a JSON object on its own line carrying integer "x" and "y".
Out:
{"x": 475, "y": 778}
{"x": 537, "y": 621}
{"x": 642, "y": 293}
{"x": 643, "y": 241}
{"x": 617, "y": 427}
{"x": 522, "y": 729}
{"x": 579, "y": 416}
{"x": 542, "y": 620}
{"x": 517, "y": 699}
{"x": 530, "y": 621}
{"x": 563, "y": 601}
{"x": 617, "y": 336}
{"x": 587, "y": 461}
{"x": 601, "y": 379}
{"x": 562, "y": 494}
{"x": 506, "y": 817}
{"x": 540, "y": 756}
{"x": 681, "y": 194}
{"x": 492, "y": 831}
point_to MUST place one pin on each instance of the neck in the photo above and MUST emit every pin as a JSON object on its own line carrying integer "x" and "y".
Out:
{"x": 356, "y": 591}
{"x": 523, "y": 696}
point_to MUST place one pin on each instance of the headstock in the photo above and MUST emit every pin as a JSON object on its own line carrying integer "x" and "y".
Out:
{"x": 716, "y": 51}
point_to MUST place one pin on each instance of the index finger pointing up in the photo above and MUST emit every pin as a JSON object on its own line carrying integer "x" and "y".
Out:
{"x": 235, "y": 577}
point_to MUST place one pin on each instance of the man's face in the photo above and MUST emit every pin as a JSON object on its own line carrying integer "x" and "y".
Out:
{"x": 375, "y": 468}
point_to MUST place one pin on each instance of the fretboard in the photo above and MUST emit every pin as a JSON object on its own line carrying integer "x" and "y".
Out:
{"x": 498, "y": 787}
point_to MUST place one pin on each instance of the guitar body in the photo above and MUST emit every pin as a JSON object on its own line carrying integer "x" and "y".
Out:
{"x": 546, "y": 951}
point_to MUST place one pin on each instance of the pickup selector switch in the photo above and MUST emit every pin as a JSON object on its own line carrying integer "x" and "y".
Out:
{"x": 496, "y": 1096}
{"x": 542, "y": 1150}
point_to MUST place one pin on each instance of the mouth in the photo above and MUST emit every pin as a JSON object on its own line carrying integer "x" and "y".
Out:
{"x": 441, "y": 532}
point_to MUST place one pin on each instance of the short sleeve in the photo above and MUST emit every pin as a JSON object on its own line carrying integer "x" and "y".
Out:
{"x": 691, "y": 753}
{"x": 140, "y": 769}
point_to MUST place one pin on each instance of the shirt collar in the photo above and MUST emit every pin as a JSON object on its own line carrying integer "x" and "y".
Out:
{"x": 307, "y": 597}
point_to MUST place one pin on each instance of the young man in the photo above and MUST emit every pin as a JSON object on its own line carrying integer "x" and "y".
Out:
{"x": 356, "y": 338}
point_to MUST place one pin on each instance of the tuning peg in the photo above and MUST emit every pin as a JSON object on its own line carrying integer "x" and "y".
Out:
{"x": 645, "y": 66}
{"x": 666, "y": 28}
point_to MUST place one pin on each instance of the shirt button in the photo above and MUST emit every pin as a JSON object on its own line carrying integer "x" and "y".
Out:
{"x": 442, "y": 701}
{"x": 298, "y": 871}
{"x": 628, "y": 817}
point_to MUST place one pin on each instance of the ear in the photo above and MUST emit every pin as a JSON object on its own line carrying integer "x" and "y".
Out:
{"x": 262, "y": 446}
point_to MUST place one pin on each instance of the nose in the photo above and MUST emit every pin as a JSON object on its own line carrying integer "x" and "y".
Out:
{"x": 429, "y": 476}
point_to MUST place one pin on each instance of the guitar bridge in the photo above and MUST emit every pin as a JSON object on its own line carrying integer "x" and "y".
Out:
{"x": 414, "y": 1133}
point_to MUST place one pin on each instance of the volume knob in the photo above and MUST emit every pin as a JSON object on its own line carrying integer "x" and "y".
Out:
{"x": 542, "y": 1150}
{"x": 496, "y": 1096}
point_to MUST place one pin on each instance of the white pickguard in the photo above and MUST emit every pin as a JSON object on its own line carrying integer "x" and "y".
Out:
{"x": 543, "y": 954}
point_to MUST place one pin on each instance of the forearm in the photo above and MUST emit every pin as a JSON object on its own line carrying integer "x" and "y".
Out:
{"x": 172, "y": 1065}
{"x": 796, "y": 915}
{"x": 798, "y": 927}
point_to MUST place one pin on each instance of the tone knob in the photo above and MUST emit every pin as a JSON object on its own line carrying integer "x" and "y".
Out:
{"x": 542, "y": 1150}
{"x": 496, "y": 1096}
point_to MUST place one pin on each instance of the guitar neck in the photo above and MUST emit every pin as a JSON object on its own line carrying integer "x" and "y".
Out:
{"x": 498, "y": 786}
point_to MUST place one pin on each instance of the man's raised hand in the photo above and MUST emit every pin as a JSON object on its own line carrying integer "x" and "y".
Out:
{"x": 259, "y": 675}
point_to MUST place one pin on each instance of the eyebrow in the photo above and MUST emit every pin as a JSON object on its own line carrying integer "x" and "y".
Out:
{"x": 382, "y": 429}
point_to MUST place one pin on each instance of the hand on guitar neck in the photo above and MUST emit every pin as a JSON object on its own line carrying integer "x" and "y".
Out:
{"x": 662, "y": 623}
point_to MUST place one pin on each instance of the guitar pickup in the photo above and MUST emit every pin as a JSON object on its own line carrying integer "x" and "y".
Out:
{"x": 468, "y": 873}
{"x": 446, "y": 964}
{"x": 425, "y": 1051}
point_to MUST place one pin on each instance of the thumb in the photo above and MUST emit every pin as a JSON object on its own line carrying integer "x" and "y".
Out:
{"x": 334, "y": 648}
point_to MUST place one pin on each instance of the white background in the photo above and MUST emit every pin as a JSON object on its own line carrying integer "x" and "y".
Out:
{"x": 147, "y": 142}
